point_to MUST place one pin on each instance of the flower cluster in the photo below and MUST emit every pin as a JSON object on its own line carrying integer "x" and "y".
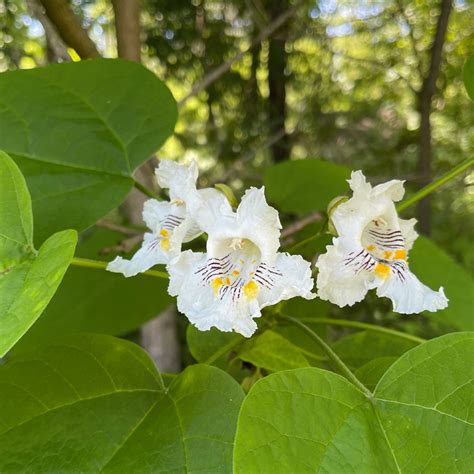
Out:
{"x": 242, "y": 271}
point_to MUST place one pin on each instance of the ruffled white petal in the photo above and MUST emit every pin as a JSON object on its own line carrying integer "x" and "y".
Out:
{"x": 208, "y": 205}
{"x": 148, "y": 255}
{"x": 339, "y": 283}
{"x": 155, "y": 212}
{"x": 407, "y": 227}
{"x": 393, "y": 190}
{"x": 291, "y": 276}
{"x": 197, "y": 300}
{"x": 259, "y": 222}
{"x": 359, "y": 184}
{"x": 179, "y": 179}
{"x": 410, "y": 296}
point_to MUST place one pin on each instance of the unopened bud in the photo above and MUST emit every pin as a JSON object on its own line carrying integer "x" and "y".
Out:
{"x": 227, "y": 192}
{"x": 332, "y": 206}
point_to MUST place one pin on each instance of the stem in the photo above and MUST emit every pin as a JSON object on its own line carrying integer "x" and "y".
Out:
{"x": 88, "y": 263}
{"x": 333, "y": 357}
{"x": 146, "y": 191}
{"x": 364, "y": 326}
{"x": 436, "y": 184}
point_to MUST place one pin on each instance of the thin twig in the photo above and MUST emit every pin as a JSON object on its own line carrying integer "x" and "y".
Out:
{"x": 300, "y": 224}
{"x": 123, "y": 247}
{"x": 118, "y": 228}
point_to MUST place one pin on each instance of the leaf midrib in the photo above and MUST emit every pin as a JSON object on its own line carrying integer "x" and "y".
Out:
{"x": 78, "y": 401}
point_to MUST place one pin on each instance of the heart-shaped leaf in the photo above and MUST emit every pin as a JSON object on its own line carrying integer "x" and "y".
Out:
{"x": 28, "y": 279}
{"x": 97, "y": 404}
{"x": 77, "y": 132}
{"x": 420, "y": 419}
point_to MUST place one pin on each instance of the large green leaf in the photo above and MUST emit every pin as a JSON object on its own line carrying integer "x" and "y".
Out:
{"x": 302, "y": 186}
{"x": 97, "y": 301}
{"x": 97, "y": 404}
{"x": 28, "y": 279}
{"x": 78, "y": 131}
{"x": 420, "y": 418}
{"x": 469, "y": 77}
{"x": 436, "y": 268}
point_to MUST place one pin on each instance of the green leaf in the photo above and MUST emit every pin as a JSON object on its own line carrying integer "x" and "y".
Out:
{"x": 96, "y": 301}
{"x": 28, "y": 279}
{"x": 301, "y": 308}
{"x": 272, "y": 352}
{"x": 436, "y": 268}
{"x": 104, "y": 118}
{"x": 469, "y": 77}
{"x": 421, "y": 418}
{"x": 371, "y": 372}
{"x": 97, "y": 404}
{"x": 213, "y": 346}
{"x": 16, "y": 237}
{"x": 361, "y": 347}
{"x": 302, "y": 186}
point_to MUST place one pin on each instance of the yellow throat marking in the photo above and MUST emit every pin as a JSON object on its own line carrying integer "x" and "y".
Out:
{"x": 216, "y": 284}
{"x": 400, "y": 255}
{"x": 382, "y": 270}
{"x": 251, "y": 290}
{"x": 165, "y": 244}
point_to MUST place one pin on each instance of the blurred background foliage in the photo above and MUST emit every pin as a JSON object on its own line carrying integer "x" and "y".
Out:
{"x": 340, "y": 81}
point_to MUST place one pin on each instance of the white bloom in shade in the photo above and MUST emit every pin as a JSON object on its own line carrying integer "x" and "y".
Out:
{"x": 242, "y": 271}
{"x": 170, "y": 222}
{"x": 371, "y": 251}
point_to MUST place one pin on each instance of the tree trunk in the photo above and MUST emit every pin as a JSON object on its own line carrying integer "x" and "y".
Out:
{"x": 426, "y": 94}
{"x": 158, "y": 336}
{"x": 277, "y": 58}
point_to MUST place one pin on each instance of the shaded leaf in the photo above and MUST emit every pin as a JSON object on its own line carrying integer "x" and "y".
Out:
{"x": 469, "y": 77}
{"x": 105, "y": 117}
{"x": 361, "y": 347}
{"x": 273, "y": 352}
{"x": 436, "y": 268}
{"x": 371, "y": 372}
{"x": 302, "y": 186}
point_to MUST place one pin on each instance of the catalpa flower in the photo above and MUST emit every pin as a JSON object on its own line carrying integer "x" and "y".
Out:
{"x": 170, "y": 222}
{"x": 371, "y": 251}
{"x": 241, "y": 272}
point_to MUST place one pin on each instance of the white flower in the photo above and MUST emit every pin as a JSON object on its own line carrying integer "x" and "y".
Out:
{"x": 371, "y": 251}
{"x": 242, "y": 272}
{"x": 171, "y": 222}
